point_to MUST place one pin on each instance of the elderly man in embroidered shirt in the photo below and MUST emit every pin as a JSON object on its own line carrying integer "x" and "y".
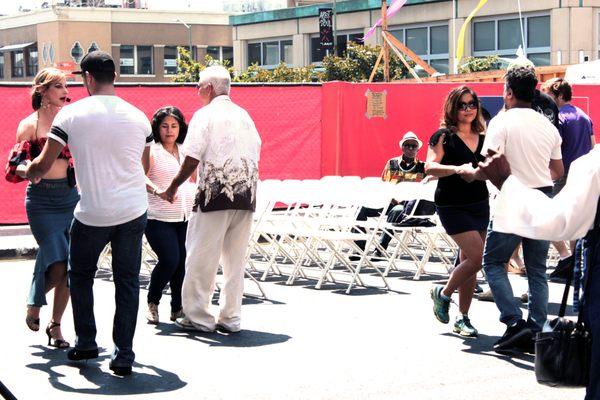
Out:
{"x": 569, "y": 215}
{"x": 224, "y": 145}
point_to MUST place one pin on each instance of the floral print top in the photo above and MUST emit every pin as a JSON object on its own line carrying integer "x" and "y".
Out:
{"x": 222, "y": 136}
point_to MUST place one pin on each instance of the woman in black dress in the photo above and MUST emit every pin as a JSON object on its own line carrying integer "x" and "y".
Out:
{"x": 463, "y": 207}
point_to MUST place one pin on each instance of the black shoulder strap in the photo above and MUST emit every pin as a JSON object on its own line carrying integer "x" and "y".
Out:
{"x": 591, "y": 238}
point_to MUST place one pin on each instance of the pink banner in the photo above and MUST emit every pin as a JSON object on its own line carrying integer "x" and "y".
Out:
{"x": 393, "y": 9}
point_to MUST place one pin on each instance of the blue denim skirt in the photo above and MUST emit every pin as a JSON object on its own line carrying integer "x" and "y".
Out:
{"x": 49, "y": 205}
{"x": 465, "y": 218}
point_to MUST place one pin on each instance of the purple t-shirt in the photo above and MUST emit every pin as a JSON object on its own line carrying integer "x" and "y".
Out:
{"x": 575, "y": 128}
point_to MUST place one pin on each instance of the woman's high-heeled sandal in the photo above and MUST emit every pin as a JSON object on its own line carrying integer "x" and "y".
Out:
{"x": 58, "y": 343}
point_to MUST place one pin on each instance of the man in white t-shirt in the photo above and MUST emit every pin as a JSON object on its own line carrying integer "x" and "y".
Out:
{"x": 109, "y": 138}
{"x": 532, "y": 145}
{"x": 223, "y": 144}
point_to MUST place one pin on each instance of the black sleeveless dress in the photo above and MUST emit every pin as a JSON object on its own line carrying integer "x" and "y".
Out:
{"x": 461, "y": 206}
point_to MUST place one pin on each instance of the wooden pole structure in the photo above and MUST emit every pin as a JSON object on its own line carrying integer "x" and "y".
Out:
{"x": 386, "y": 47}
{"x": 376, "y": 65}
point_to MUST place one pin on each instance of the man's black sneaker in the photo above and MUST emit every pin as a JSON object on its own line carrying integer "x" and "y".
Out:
{"x": 513, "y": 338}
{"x": 120, "y": 370}
{"x": 77, "y": 355}
{"x": 563, "y": 269}
{"x": 527, "y": 344}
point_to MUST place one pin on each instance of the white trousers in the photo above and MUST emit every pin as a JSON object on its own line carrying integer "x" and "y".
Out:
{"x": 212, "y": 238}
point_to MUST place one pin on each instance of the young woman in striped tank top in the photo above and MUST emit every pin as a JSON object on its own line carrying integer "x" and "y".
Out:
{"x": 167, "y": 223}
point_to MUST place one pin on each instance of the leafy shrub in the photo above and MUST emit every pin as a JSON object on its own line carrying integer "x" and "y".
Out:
{"x": 478, "y": 64}
{"x": 355, "y": 66}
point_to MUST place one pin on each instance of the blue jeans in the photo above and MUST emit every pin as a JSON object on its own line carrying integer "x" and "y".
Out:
{"x": 87, "y": 242}
{"x": 591, "y": 312}
{"x": 167, "y": 239}
{"x": 497, "y": 252}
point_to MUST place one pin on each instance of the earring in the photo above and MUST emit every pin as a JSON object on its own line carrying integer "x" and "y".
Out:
{"x": 45, "y": 104}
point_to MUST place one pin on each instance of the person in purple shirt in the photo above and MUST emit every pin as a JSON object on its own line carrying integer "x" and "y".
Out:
{"x": 575, "y": 126}
{"x": 576, "y": 131}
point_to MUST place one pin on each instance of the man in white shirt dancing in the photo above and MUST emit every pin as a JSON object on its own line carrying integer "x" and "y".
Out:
{"x": 570, "y": 215}
{"x": 224, "y": 145}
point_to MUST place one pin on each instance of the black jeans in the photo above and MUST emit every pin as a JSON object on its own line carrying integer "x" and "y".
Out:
{"x": 167, "y": 239}
{"x": 87, "y": 242}
{"x": 592, "y": 318}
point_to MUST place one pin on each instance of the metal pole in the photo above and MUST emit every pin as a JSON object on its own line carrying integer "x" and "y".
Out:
{"x": 190, "y": 42}
{"x": 189, "y": 28}
{"x": 335, "y": 41}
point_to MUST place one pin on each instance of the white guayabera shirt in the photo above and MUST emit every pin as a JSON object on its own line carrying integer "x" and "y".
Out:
{"x": 530, "y": 213}
{"x": 223, "y": 138}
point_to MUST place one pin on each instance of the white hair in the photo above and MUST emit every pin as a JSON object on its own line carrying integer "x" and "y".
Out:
{"x": 218, "y": 77}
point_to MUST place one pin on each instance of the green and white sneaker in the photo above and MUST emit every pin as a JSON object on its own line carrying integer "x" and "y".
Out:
{"x": 440, "y": 305}
{"x": 463, "y": 327}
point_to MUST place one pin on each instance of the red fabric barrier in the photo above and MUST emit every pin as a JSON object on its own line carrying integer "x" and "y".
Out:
{"x": 288, "y": 119}
{"x": 352, "y": 144}
{"x": 307, "y": 131}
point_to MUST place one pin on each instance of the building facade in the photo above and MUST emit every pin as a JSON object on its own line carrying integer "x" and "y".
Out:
{"x": 553, "y": 32}
{"x": 143, "y": 42}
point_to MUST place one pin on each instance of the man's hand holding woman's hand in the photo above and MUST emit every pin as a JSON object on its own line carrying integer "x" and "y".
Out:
{"x": 170, "y": 194}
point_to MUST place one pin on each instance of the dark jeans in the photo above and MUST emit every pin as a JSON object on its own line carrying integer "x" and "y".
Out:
{"x": 592, "y": 318}
{"x": 498, "y": 249}
{"x": 394, "y": 215}
{"x": 87, "y": 242}
{"x": 167, "y": 239}
{"x": 363, "y": 214}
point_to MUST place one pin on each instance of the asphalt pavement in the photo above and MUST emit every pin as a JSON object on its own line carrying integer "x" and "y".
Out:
{"x": 302, "y": 343}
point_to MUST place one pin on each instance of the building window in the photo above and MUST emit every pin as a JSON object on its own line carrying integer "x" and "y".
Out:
{"x": 317, "y": 54}
{"x": 254, "y": 53}
{"x": 227, "y": 54}
{"x": 502, "y": 37}
{"x": 170, "y": 60}
{"x": 77, "y": 52}
{"x": 484, "y": 34}
{"x": 144, "y": 60}
{"x": 221, "y": 53}
{"x": 270, "y": 54}
{"x": 93, "y": 47}
{"x": 1, "y": 65}
{"x": 136, "y": 60}
{"x": 126, "y": 62}
{"x": 18, "y": 64}
{"x": 430, "y": 43}
{"x": 32, "y": 62}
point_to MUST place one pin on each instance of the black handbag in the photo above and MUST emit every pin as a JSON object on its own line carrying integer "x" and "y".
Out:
{"x": 563, "y": 355}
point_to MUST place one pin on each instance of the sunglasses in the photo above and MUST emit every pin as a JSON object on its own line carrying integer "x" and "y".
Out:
{"x": 410, "y": 146}
{"x": 472, "y": 105}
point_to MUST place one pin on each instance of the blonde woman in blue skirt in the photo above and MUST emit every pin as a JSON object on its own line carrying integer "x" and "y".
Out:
{"x": 49, "y": 203}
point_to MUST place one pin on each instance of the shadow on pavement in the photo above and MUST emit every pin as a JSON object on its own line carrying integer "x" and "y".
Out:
{"x": 145, "y": 378}
{"x": 244, "y": 338}
{"x": 482, "y": 345}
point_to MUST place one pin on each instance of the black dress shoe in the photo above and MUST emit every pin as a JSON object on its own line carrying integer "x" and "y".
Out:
{"x": 120, "y": 370}
{"x": 514, "y": 338}
{"x": 77, "y": 355}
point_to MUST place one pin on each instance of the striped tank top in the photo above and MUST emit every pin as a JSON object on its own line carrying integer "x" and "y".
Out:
{"x": 162, "y": 171}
